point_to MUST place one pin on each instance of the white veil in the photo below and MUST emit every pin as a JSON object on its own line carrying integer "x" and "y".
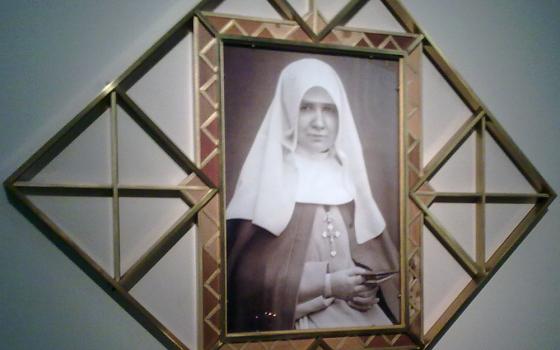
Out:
{"x": 265, "y": 190}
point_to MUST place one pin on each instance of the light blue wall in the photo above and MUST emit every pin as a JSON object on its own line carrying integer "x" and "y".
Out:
{"x": 56, "y": 57}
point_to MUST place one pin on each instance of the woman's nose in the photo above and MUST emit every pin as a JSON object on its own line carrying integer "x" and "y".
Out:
{"x": 319, "y": 120}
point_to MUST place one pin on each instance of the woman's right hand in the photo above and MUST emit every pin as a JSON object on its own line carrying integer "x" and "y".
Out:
{"x": 348, "y": 283}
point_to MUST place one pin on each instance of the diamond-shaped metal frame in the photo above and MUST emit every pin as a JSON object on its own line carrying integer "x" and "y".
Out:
{"x": 203, "y": 182}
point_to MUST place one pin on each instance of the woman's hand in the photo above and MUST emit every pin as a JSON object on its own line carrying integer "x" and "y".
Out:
{"x": 365, "y": 299}
{"x": 347, "y": 284}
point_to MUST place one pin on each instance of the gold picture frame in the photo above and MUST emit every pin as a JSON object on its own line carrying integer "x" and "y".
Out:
{"x": 202, "y": 187}
{"x": 220, "y": 31}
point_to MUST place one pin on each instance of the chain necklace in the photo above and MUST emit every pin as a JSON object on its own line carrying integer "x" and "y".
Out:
{"x": 330, "y": 233}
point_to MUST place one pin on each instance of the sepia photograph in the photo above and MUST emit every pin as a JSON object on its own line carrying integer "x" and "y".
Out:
{"x": 312, "y": 191}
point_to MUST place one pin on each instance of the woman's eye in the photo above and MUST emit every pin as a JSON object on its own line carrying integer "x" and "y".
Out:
{"x": 330, "y": 109}
{"x": 305, "y": 107}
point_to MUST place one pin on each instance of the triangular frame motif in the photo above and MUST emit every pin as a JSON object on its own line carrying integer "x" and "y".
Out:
{"x": 199, "y": 190}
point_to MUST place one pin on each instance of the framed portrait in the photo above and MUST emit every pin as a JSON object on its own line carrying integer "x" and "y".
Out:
{"x": 261, "y": 182}
{"x": 311, "y": 236}
{"x": 309, "y": 138}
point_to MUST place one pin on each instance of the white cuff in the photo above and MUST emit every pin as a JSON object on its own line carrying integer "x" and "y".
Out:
{"x": 328, "y": 287}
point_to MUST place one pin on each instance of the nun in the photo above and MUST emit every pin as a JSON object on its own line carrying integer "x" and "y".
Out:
{"x": 304, "y": 233}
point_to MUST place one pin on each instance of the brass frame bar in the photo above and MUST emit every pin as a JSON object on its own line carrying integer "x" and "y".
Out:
{"x": 223, "y": 190}
{"x": 414, "y": 297}
{"x": 434, "y": 54}
{"x": 516, "y": 156}
{"x": 199, "y": 308}
{"x": 319, "y": 333}
{"x": 480, "y": 216}
{"x": 153, "y": 192}
{"x": 516, "y": 198}
{"x": 479, "y": 197}
{"x": 207, "y": 14}
{"x": 456, "y": 82}
{"x": 325, "y": 346}
{"x": 402, "y": 15}
{"x": 59, "y": 141}
{"x": 470, "y": 98}
{"x": 150, "y": 61}
{"x": 241, "y": 40}
{"x": 350, "y": 9}
{"x": 96, "y": 272}
{"x": 183, "y": 23}
{"x": 418, "y": 38}
{"x": 43, "y": 189}
{"x": 451, "y": 313}
{"x": 468, "y": 294}
{"x": 519, "y": 233}
{"x": 115, "y": 182}
{"x": 415, "y": 43}
{"x": 160, "y": 188}
{"x": 163, "y": 245}
{"x": 47, "y": 189}
{"x": 84, "y": 118}
{"x": 413, "y": 336}
{"x": 157, "y": 251}
{"x": 451, "y": 197}
{"x": 280, "y": 7}
{"x": 196, "y": 83}
{"x": 452, "y": 246}
{"x": 403, "y": 195}
{"x": 203, "y": 16}
{"x": 289, "y": 12}
{"x": 317, "y": 343}
{"x": 199, "y": 27}
{"x": 202, "y": 20}
{"x": 138, "y": 115}
{"x": 448, "y": 242}
{"x": 386, "y": 32}
{"x": 449, "y": 149}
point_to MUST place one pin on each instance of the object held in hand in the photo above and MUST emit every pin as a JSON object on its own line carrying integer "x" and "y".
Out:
{"x": 378, "y": 277}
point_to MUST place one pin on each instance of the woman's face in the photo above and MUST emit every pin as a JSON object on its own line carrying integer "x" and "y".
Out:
{"x": 317, "y": 122}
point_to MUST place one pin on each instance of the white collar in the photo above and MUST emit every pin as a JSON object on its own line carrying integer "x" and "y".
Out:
{"x": 321, "y": 180}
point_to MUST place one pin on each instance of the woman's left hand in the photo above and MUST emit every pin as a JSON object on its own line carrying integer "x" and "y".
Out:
{"x": 364, "y": 300}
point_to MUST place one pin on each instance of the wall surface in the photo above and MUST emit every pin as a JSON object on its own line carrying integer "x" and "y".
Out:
{"x": 56, "y": 57}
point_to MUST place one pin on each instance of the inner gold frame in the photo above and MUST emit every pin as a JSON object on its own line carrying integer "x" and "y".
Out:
{"x": 199, "y": 189}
